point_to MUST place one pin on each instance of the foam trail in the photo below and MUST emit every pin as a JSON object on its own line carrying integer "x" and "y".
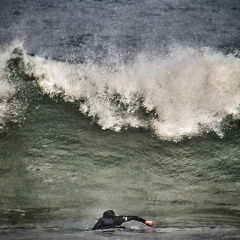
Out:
{"x": 177, "y": 95}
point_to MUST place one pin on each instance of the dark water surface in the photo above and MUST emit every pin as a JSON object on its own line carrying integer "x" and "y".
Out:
{"x": 124, "y": 105}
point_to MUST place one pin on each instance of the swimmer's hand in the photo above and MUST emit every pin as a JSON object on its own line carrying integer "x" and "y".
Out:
{"x": 149, "y": 223}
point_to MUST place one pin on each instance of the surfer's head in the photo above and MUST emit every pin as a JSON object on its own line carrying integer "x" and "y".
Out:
{"x": 109, "y": 214}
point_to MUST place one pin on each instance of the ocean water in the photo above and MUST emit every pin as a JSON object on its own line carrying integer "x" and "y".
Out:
{"x": 126, "y": 105}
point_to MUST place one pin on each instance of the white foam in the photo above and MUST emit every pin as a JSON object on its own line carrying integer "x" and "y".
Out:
{"x": 6, "y": 89}
{"x": 188, "y": 89}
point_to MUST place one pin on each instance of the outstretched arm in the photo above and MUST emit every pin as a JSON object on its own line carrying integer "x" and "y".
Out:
{"x": 138, "y": 219}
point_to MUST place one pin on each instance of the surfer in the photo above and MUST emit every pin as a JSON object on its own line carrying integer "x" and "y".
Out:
{"x": 110, "y": 220}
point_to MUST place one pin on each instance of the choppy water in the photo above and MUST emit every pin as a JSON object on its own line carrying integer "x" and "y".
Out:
{"x": 124, "y": 105}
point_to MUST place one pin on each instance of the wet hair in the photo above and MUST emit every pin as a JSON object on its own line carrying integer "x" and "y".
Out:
{"x": 109, "y": 214}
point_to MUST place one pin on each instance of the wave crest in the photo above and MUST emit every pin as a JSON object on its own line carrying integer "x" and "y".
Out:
{"x": 6, "y": 89}
{"x": 180, "y": 94}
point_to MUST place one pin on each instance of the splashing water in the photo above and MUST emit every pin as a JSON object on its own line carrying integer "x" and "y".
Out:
{"x": 180, "y": 94}
{"x": 6, "y": 89}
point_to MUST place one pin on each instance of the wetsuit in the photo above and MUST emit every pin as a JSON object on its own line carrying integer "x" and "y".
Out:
{"x": 104, "y": 223}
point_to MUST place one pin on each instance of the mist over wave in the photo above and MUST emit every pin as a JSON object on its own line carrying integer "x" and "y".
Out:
{"x": 6, "y": 89}
{"x": 182, "y": 93}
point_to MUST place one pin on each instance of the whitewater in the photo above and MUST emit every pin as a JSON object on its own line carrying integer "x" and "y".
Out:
{"x": 182, "y": 93}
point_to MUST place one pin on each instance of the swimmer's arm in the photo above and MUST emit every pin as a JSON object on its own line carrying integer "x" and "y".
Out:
{"x": 138, "y": 219}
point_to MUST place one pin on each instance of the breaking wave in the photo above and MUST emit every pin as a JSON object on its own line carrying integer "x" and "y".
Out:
{"x": 6, "y": 89}
{"x": 183, "y": 93}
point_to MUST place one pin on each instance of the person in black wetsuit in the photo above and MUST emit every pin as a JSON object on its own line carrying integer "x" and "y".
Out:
{"x": 109, "y": 220}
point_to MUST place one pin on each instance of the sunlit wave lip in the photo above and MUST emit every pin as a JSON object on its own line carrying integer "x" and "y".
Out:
{"x": 181, "y": 94}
